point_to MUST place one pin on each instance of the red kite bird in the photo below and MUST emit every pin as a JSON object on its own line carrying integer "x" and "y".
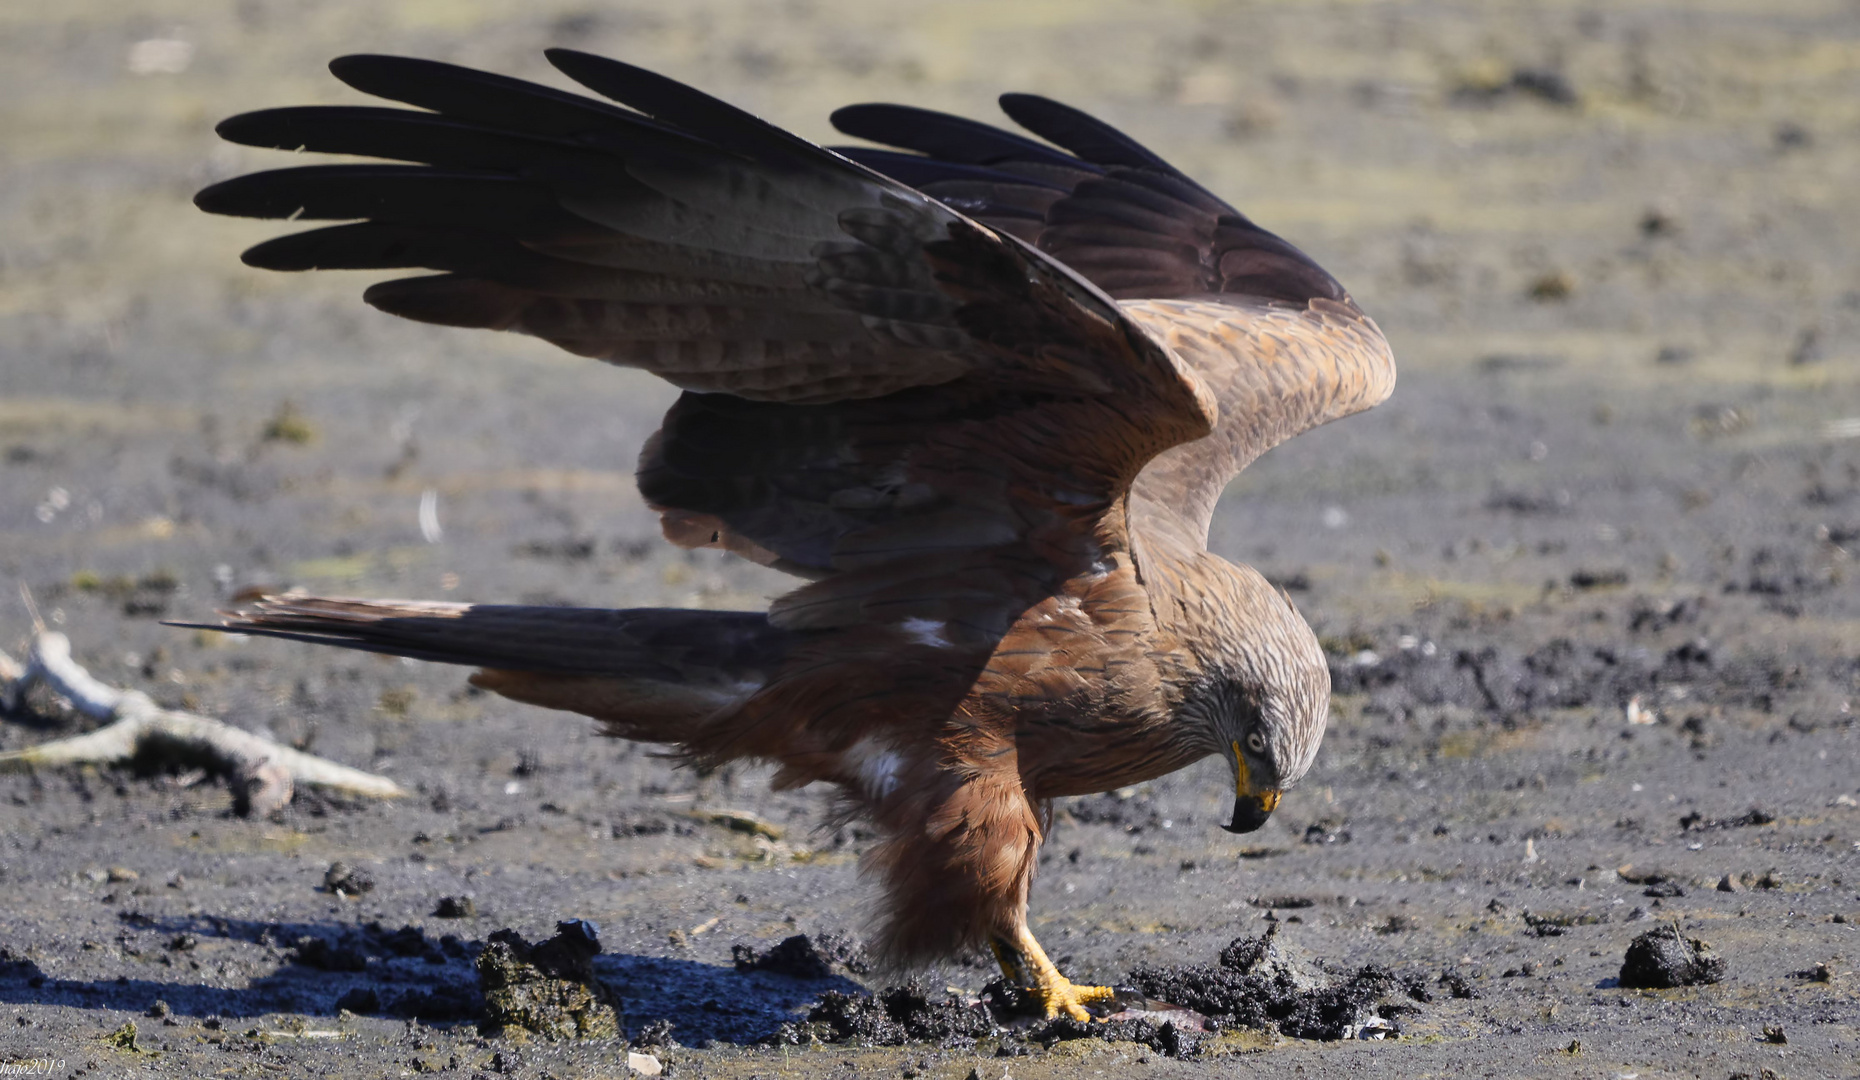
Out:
{"x": 981, "y": 391}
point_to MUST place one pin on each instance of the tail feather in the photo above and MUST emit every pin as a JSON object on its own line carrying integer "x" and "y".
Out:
{"x": 643, "y": 671}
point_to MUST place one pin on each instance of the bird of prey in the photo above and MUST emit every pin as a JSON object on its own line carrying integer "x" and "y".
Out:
{"x": 981, "y": 391}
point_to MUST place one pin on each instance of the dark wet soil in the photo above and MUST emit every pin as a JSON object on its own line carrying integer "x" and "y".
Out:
{"x": 1586, "y": 582}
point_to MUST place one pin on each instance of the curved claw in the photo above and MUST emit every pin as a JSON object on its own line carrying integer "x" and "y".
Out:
{"x": 1025, "y": 964}
{"x": 1067, "y": 998}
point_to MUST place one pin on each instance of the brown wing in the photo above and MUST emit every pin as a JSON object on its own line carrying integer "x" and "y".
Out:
{"x": 1276, "y": 338}
{"x": 872, "y": 376}
{"x": 1276, "y": 368}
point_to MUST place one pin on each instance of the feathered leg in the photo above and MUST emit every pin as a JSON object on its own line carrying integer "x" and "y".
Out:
{"x": 957, "y": 863}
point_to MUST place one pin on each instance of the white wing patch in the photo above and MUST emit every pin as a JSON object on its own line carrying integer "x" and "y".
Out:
{"x": 926, "y": 632}
{"x": 875, "y": 766}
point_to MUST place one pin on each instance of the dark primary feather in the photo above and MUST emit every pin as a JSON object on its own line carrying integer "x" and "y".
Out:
{"x": 1120, "y": 201}
{"x": 946, "y": 138}
{"x": 1091, "y": 139}
{"x": 496, "y": 101}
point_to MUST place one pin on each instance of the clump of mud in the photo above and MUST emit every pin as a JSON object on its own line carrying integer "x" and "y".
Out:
{"x": 547, "y": 990}
{"x": 1258, "y": 982}
{"x": 1263, "y": 983}
{"x": 891, "y": 1017}
{"x": 1663, "y": 958}
{"x": 802, "y": 957}
{"x": 1166, "y": 1038}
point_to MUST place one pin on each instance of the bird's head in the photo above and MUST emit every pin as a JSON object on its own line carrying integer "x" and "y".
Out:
{"x": 1271, "y": 740}
{"x": 1268, "y": 699}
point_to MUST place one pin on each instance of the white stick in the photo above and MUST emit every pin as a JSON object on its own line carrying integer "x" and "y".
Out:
{"x": 262, "y": 770}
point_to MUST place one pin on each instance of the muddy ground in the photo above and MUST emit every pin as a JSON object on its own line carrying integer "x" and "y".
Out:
{"x": 1613, "y": 247}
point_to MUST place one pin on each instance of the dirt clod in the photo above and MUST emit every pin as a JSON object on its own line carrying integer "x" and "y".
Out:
{"x": 803, "y": 957}
{"x": 657, "y": 1034}
{"x": 1166, "y": 1039}
{"x": 347, "y": 880}
{"x": 455, "y": 907}
{"x": 891, "y": 1017}
{"x": 321, "y": 954}
{"x": 1663, "y": 957}
{"x": 1261, "y": 982}
{"x": 1696, "y": 822}
{"x": 548, "y": 989}
{"x": 1458, "y": 985}
{"x": 124, "y": 1039}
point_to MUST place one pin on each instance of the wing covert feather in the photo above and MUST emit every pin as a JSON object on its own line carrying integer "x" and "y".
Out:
{"x": 1276, "y": 369}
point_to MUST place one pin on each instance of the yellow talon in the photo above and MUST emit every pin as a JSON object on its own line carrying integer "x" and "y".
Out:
{"x": 1070, "y": 998}
{"x": 1025, "y": 963}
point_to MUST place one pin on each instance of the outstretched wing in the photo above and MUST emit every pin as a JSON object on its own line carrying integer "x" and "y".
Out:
{"x": 871, "y": 376}
{"x": 1276, "y": 338}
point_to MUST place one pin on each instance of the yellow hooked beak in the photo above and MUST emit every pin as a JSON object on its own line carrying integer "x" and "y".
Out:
{"x": 1251, "y": 808}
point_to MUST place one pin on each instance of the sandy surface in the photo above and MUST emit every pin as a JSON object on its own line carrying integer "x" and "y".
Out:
{"x": 1621, "y": 463}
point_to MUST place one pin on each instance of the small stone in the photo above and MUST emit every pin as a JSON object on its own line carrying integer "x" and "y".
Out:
{"x": 158, "y": 1009}
{"x": 644, "y": 1064}
{"x": 1774, "y": 1034}
{"x": 122, "y": 874}
{"x": 1729, "y": 883}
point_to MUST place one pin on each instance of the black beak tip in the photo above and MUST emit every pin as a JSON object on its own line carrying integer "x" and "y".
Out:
{"x": 1249, "y": 815}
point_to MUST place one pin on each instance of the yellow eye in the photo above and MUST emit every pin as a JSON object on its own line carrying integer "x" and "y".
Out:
{"x": 1256, "y": 743}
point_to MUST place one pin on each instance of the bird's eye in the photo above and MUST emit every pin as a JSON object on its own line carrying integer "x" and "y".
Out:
{"x": 1256, "y": 743}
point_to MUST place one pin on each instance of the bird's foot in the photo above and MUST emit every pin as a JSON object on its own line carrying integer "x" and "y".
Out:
{"x": 1040, "y": 987}
{"x": 1067, "y": 998}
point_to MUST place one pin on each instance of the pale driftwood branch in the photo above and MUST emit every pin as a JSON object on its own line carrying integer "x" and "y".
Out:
{"x": 262, "y": 771}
